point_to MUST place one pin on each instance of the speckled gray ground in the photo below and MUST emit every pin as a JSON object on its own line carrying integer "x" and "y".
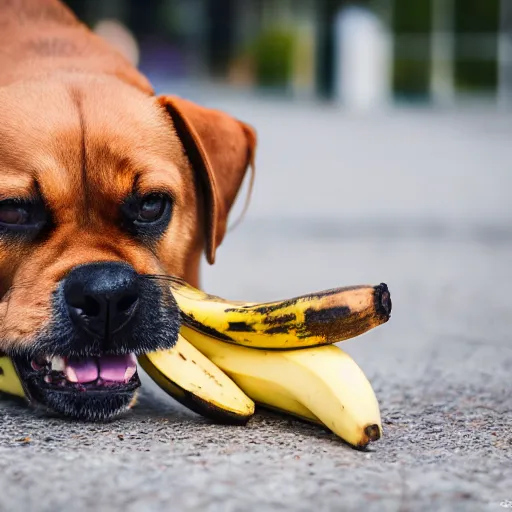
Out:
{"x": 420, "y": 200}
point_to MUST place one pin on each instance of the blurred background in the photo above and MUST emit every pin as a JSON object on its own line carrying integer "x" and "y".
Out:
{"x": 359, "y": 52}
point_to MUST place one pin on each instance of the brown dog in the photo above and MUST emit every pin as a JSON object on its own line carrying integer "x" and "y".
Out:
{"x": 103, "y": 188}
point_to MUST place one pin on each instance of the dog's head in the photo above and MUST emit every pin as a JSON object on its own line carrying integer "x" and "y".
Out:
{"x": 103, "y": 191}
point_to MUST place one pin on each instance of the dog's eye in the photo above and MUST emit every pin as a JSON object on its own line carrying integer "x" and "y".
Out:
{"x": 19, "y": 217}
{"x": 13, "y": 215}
{"x": 151, "y": 208}
{"x": 147, "y": 217}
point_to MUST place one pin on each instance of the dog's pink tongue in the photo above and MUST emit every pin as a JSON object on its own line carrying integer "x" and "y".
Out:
{"x": 117, "y": 368}
{"x": 83, "y": 370}
{"x": 109, "y": 368}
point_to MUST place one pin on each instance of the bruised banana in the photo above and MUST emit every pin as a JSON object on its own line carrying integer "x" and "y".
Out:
{"x": 194, "y": 381}
{"x": 321, "y": 384}
{"x": 307, "y": 321}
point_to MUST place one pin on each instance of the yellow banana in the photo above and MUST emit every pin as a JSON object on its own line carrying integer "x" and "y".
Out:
{"x": 194, "y": 381}
{"x": 318, "y": 384}
{"x": 10, "y": 383}
{"x": 310, "y": 320}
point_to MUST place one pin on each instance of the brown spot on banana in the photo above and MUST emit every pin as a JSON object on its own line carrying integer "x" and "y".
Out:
{"x": 190, "y": 321}
{"x": 364, "y": 309}
{"x": 211, "y": 376}
{"x": 280, "y": 320}
{"x": 270, "y": 307}
{"x": 278, "y": 329}
{"x": 240, "y": 327}
{"x": 313, "y": 316}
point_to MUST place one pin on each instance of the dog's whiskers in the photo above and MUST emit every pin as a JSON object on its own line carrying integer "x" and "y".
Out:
{"x": 163, "y": 277}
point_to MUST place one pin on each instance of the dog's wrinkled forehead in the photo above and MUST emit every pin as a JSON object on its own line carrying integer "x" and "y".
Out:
{"x": 72, "y": 142}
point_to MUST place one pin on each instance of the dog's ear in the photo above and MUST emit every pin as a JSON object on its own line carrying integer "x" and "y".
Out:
{"x": 220, "y": 149}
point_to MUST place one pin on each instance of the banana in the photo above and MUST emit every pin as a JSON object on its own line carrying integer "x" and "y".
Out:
{"x": 321, "y": 384}
{"x": 310, "y": 320}
{"x": 10, "y": 383}
{"x": 194, "y": 381}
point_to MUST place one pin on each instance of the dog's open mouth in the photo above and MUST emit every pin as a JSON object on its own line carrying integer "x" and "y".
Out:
{"x": 89, "y": 374}
{"x": 89, "y": 388}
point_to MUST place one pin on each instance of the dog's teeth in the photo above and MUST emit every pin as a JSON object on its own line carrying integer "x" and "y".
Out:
{"x": 129, "y": 373}
{"x": 71, "y": 374}
{"x": 48, "y": 379}
{"x": 58, "y": 364}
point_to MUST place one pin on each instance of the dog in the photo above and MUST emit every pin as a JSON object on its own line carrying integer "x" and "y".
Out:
{"x": 105, "y": 189}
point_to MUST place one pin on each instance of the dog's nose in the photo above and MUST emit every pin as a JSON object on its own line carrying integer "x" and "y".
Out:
{"x": 102, "y": 297}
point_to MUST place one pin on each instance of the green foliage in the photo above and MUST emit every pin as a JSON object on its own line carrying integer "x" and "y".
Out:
{"x": 411, "y": 78}
{"x": 477, "y": 15}
{"x": 273, "y": 53}
{"x": 476, "y": 75}
{"x": 411, "y": 73}
{"x": 412, "y": 16}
